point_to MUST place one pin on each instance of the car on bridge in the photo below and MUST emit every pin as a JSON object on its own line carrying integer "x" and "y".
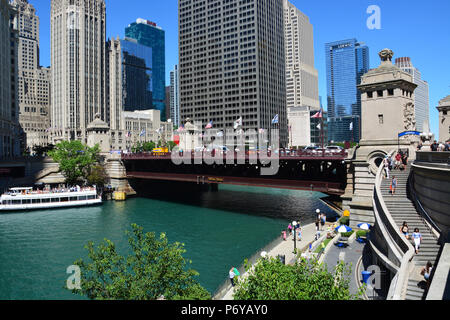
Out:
{"x": 333, "y": 149}
{"x": 311, "y": 149}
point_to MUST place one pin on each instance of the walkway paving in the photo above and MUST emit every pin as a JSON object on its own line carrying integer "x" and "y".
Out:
{"x": 350, "y": 255}
{"x": 286, "y": 248}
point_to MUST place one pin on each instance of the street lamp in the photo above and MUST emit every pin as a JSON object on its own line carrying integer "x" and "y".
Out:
{"x": 294, "y": 224}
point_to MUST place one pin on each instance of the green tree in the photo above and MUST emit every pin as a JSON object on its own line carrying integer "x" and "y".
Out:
{"x": 305, "y": 280}
{"x": 148, "y": 146}
{"x": 171, "y": 145}
{"x": 75, "y": 159}
{"x": 154, "y": 268}
{"x": 97, "y": 176}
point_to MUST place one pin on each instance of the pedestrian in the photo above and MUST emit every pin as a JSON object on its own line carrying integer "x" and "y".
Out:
{"x": 393, "y": 185}
{"x": 391, "y": 163}
{"x": 317, "y": 224}
{"x": 405, "y": 160}
{"x": 323, "y": 220}
{"x": 232, "y": 275}
{"x": 426, "y": 272}
{"x": 417, "y": 239}
{"x": 434, "y": 146}
{"x": 398, "y": 161}
{"x": 290, "y": 229}
{"x": 299, "y": 233}
{"x": 386, "y": 167}
{"x": 405, "y": 229}
{"x": 447, "y": 146}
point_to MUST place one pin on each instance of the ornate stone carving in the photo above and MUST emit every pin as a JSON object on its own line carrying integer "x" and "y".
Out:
{"x": 386, "y": 54}
{"x": 409, "y": 118}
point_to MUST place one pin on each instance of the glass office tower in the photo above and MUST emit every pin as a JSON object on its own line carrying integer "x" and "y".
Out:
{"x": 149, "y": 34}
{"x": 346, "y": 62}
{"x": 136, "y": 75}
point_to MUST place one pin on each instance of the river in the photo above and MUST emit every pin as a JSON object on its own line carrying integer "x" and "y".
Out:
{"x": 219, "y": 229}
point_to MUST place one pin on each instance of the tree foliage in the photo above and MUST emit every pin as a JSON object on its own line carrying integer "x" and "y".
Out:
{"x": 154, "y": 269}
{"x": 75, "y": 159}
{"x": 97, "y": 176}
{"x": 305, "y": 280}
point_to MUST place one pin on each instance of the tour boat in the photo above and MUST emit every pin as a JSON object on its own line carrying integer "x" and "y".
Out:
{"x": 18, "y": 199}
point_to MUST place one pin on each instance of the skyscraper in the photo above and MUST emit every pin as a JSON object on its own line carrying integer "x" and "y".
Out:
{"x": 421, "y": 94}
{"x": 9, "y": 122}
{"x": 78, "y": 50}
{"x": 175, "y": 95}
{"x": 33, "y": 80}
{"x": 129, "y": 83}
{"x": 148, "y": 34}
{"x": 232, "y": 63}
{"x": 302, "y": 83}
{"x": 346, "y": 62}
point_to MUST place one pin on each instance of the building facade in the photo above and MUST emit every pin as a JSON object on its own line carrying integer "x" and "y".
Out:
{"x": 33, "y": 80}
{"x": 302, "y": 81}
{"x": 444, "y": 119}
{"x": 421, "y": 94}
{"x": 346, "y": 62}
{"x": 9, "y": 116}
{"x": 78, "y": 59}
{"x": 232, "y": 64}
{"x": 145, "y": 126}
{"x": 148, "y": 34}
{"x": 175, "y": 95}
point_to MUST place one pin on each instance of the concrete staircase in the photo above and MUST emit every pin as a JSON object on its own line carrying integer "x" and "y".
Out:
{"x": 402, "y": 209}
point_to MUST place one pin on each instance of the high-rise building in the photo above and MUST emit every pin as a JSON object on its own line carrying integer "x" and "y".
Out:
{"x": 346, "y": 62}
{"x": 9, "y": 121}
{"x": 129, "y": 82}
{"x": 232, "y": 63}
{"x": 175, "y": 95}
{"x": 78, "y": 55}
{"x": 421, "y": 94}
{"x": 33, "y": 80}
{"x": 167, "y": 103}
{"x": 150, "y": 35}
{"x": 302, "y": 81}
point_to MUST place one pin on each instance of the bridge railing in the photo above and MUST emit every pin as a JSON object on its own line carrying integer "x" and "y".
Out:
{"x": 322, "y": 153}
{"x": 401, "y": 248}
{"x": 438, "y": 157}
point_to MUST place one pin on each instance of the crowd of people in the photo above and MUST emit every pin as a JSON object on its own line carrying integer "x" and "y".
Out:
{"x": 437, "y": 146}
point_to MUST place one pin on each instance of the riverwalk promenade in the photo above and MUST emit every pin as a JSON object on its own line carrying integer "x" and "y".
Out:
{"x": 351, "y": 255}
{"x": 285, "y": 248}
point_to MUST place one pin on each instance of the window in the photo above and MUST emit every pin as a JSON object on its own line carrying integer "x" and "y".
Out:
{"x": 380, "y": 119}
{"x": 390, "y": 92}
{"x": 370, "y": 94}
{"x": 380, "y": 93}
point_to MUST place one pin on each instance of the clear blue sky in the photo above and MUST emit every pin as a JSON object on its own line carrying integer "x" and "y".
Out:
{"x": 415, "y": 28}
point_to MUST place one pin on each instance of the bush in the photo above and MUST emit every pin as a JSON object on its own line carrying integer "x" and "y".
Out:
{"x": 361, "y": 233}
{"x": 347, "y": 234}
{"x": 345, "y": 220}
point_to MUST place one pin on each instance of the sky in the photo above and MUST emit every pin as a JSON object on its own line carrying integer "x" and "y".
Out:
{"x": 414, "y": 28}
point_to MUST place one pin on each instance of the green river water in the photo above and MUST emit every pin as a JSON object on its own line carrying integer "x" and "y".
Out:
{"x": 219, "y": 229}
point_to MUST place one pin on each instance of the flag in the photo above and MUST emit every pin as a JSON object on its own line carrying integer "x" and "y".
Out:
{"x": 275, "y": 119}
{"x": 351, "y": 126}
{"x": 220, "y": 134}
{"x": 142, "y": 133}
{"x": 318, "y": 114}
{"x": 128, "y": 135}
{"x": 238, "y": 123}
{"x": 180, "y": 129}
{"x": 318, "y": 126}
{"x": 261, "y": 130}
{"x": 209, "y": 125}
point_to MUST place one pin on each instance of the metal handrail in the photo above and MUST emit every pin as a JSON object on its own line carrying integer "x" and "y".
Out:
{"x": 397, "y": 287}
